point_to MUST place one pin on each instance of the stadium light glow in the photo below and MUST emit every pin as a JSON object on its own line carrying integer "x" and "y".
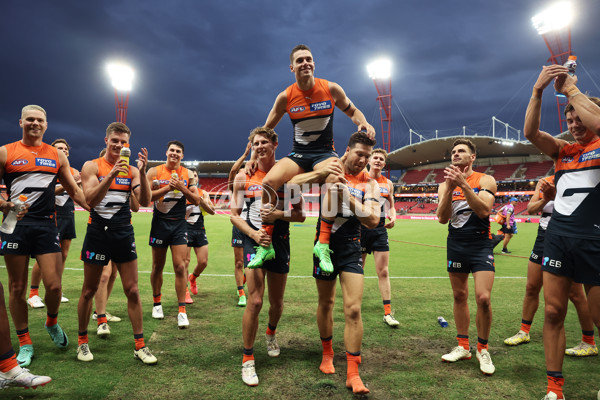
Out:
{"x": 557, "y": 16}
{"x": 380, "y": 69}
{"x": 121, "y": 76}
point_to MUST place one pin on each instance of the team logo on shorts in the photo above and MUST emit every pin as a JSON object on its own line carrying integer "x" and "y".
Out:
{"x": 9, "y": 245}
{"x": 155, "y": 241}
{"x": 453, "y": 264}
{"x": 90, "y": 255}
{"x": 551, "y": 263}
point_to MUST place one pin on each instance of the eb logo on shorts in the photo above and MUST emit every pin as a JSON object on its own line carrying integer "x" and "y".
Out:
{"x": 551, "y": 263}
{"x": 452, "y": 264}
{"x": 9, "y": 245}
{"x": 90, "y": 255}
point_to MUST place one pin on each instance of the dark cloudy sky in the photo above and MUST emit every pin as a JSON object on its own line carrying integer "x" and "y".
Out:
{"x": 208, "y": 72}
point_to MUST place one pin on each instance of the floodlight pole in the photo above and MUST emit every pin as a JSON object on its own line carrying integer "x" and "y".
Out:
{"x": 384, "y": 99}
{"x": 121, "y": 102}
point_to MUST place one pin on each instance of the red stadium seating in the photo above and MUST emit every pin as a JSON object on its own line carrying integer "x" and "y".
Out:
{"x": 502, "y": 172}
{"x": 212, "y": 184}
{"x": 415, "y": 176}
{"x": 535, "y": 170}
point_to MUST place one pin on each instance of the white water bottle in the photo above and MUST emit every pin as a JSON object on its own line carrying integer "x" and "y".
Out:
{"x": 8, "y": 226}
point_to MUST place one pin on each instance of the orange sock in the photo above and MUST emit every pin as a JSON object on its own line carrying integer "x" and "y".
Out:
{"x": 34, "y": 291}
{"x": 248, "y": 355}
{"x": 182, "y": 309}
{"x": 139, "y": 341}
{"x": 270, "y": 330}
{"x": 51, "y": 320}
{"x": 326, "y": 366}
{"x": 463, "y": 342}
{"x": 82, "y": 338}
{"x": 268, "y": 228}
{"x": 525, "y": 326}
{"x": 325, "y": 230}
{"x": 555, "y": 385}
{"x": 352, "y": 378}
{"x": 8, "y": 363}
{"x": 588, "y": 337}
{"x": 387, "y": 307}
{"x": 481, "y": 346}
{"x": 192, "y": 277}
{"x": 24, "y": 337}
{"x": 241, "y": 292}
{"x": 102, "y": 319}
{"x": 156, "y": 298}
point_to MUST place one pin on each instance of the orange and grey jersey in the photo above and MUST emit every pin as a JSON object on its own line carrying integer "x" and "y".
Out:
{"x": 577, "y": 179}
{"x": 548, "y": 208}
{"x": 252, "y": 203}
{"x": 114, "y": 208}
{"x": 384, "y": 197}
{"x": 346, "y": 224}
{"x": 172, "y": 204}
{"x": 64, "y": 203}
{"x": 32, "y": 171}
{"x": 464, "y": 223}
{"x": 194, "y": 216}
{"x": 311, "y": 113}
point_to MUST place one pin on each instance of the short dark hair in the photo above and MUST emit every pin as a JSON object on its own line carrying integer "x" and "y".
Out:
{"x": 61, "y": 141}
{"x": 570, "y": 107}
{"x": 263, "y": 131}
{"x": 466, "y": 142}
{"x": 117, "y": 127}
{"x": 362, "y": 138}
{"x": 176, "y": 143}
{"x": 296, "y": 48}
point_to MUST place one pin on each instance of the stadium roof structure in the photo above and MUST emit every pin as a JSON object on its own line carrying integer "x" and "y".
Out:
{"x": 438, "y": 150}
{"x": 415, "y": 155}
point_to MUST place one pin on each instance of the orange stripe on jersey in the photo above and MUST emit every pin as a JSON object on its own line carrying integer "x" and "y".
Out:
{"x": 253, "y": 186}
{"x": 473, "y": 181}
{"x": 120, "y": 182}
{"x": 23, "y": 158}
{"x": 575, "y": 156}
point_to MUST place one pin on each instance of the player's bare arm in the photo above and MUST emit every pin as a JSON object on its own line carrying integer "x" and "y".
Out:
{"x": 235, "y": 168}
{"x": 206, "y": 204}
{"x": 481, "y": 203}
{"x": 68, "y": 183}
{"x": 588, "y": 112}
{"x": 444, "y": 211}
{"x": 333, "y": 166}
{"x": 142, "y": 191}
{"x": 190, "y": 191}
{"x": 5, "y": 206}
{"x": 236, "y": 204}
{"x": 537, "y": 202}
{"x": 392, "y": 211}
{"x": 93, "y": 189}
{"x": 542, "y": 140}
{"x": 296, "y": 214}
{"x": 156, "y": 193}
{"x": 343, "y": 103}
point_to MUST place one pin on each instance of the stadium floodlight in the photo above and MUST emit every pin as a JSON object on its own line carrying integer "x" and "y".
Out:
{"x": 556, "y": 17}
{"x": 121, "y": 77}
{"x": 380, "y": 69}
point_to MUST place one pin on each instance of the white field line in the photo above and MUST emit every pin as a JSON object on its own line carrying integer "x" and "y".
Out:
{"x": 310, "y": 276}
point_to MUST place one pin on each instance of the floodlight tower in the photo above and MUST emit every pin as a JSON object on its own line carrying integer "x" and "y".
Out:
{"x": 381, "y": 71}
{"x": 121, "y": 78}
{"x": 554, "y": 25}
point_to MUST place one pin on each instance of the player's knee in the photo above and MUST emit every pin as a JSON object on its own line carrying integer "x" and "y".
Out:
{"x": 532, "y": 290}
{"x": 460, "y": 296}
{"x": 179, "y": 269}
{"x": 255, "y": 304}
{"x": 239, "y": 264}
{"x": 483, "y": 300}
{"x": 131, "y": 292}
{"x": 88, "y": 292}
{"x": 352, "y": 312}
{"x": 554, "y": 314}
{"x": 383, "y": 273}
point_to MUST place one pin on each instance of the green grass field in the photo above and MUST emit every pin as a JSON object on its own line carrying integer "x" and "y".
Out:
{"x": 205, "y": 360}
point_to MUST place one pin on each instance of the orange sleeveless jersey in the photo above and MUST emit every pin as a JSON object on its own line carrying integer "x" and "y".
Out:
{"x": 346, "y": 224}
{"x": 577, "y": 177}
{"x": 311, "y": 113}
{"x": 172, "y": 205}
{"x": 464, "y": 223}
{"x": 32, "y": 171}
{"x": 114, "y": 208}
{"x": 384, "y": 193}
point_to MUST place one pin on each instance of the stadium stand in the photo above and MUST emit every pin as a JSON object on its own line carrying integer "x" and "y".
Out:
{"x": 210, "y": 184}
{"x": 536, "y": 170}
{"x": 503, "y": 172}
{"x": 414, "y": 176}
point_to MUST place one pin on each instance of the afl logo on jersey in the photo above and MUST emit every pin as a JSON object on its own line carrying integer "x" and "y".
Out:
{"x": 567, "y": 159}
{"x": 19, "y": 162}
{"x": 255, "y": 188}
{"x": 297, "y": 109}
